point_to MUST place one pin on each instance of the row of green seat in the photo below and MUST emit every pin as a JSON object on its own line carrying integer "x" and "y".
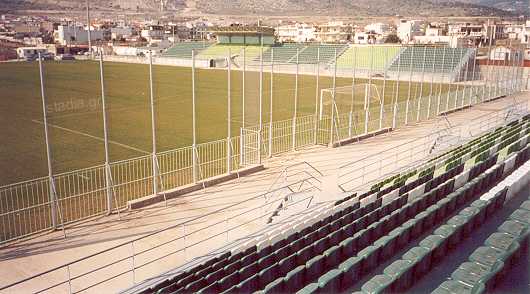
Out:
{"x": 487, "y": 264}
{"x": 193, "y": 281}
{"x": 401, "y": 274}
{"x": 402, "y": 232}
{"x": 184, "y": 49}
{"x": 429, "y": 59}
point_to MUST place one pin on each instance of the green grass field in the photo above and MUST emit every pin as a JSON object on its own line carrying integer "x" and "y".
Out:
{"x": 75, "y": 119}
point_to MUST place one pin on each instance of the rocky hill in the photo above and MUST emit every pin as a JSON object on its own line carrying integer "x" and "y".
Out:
{"x": 293, "y": 7}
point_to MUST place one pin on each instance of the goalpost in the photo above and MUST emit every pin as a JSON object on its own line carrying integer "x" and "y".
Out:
{"x": 347, "y": 100}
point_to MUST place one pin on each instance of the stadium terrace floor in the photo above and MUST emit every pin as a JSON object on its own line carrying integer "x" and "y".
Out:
{"x": 28, "y": 257}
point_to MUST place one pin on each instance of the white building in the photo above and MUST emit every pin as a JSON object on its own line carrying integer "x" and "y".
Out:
{"x": 120, "y": 33}
{"x": 367, "y": 38}
{"x": 153, "y": 33}
{"x": 299, "y": 32}
{"x": 24, "y": 52}
{"x": 67, "y": 35}
{"x": 334, "y": 32}
{"x": 408, "y": 29}
{"x": 378, "y": 28}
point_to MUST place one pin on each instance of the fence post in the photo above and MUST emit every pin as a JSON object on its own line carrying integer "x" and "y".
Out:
{"x": 451, "y": 75}
{"x": 53, "y": 195}
{"x": 271, "y": 102}
{"x": 433, "y": 73}
{"x": 410, "y": 86}
{"x": 354, "y": 72}
{"x": 421, "y": 85}
{"x": 396, "y": 94}
{"x": 193, "y": 115}
{"x": 368, "y": 92}
{"x": 105, "y": 136}
{"x": 153, "y": 125}
{"x": 260, "y": 129}
{"x": 442, "y": 79}
{"x": 241, "y": 153}
{"x": 333, "y": 100}
{"x": 229, "y": 115}
{"x": 382, "y": 100}
{"x": 295, "y": 100}
{"x": 317, "y": 94}
{"x": 473, "y": 77}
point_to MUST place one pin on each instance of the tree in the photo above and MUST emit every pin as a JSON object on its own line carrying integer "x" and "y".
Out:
{"x": 393, "y": 38}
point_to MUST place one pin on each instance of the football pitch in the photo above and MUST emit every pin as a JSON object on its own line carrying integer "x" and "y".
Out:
{"x": 73, "y": 93}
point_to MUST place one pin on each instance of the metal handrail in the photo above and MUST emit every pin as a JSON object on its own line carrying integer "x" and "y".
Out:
{"x": 476, "y": 121}
{"x": 128, "y": 243}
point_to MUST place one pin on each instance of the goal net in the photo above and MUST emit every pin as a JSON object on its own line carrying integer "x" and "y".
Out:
{"x": 354, "y": 98}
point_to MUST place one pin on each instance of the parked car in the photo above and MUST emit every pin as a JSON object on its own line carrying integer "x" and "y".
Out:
{"x": 48, "y": 56}
{"x": 64, "y": 57}
{"x": 32, "y": 57}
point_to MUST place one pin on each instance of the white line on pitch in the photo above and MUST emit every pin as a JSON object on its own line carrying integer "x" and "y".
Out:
{"x": 91, "y": 136}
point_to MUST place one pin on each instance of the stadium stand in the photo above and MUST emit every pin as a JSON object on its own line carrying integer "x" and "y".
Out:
{"x": 221, "y": 51}
{"x": 446, "y": 60}
{"x": 183, "y": 49}
{"x": 335, "y": 246}
{"x": 361, "y": 57}
{"x": 282, "y": 54}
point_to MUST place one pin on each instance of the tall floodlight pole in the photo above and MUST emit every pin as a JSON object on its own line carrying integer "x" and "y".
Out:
{"x": 421, "y": 85}
{"x": 153, "y": 125}
{"x": 442, "y": 80}
{"x": 260, "y": 101}
{"x": 409, "y": 90}
{"x": 51, "y": 183}
{"x": 317, "y": 117}
{"x": 229, "y": 115}
{"x": 382, "y": 102}
{"x": 88, "y": 22}
{"x": 108, "y": 181}
{"x": 271, "y": 102}
{"x": 333, "y": 100}
{"x": 368, "y": 92}
{"x": 193, "y": 120}
{"x": 295, "y": 114}
{"x": 242, "y": 136}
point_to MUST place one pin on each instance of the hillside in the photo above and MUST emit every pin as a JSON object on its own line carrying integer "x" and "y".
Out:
{"x": 292, "y": 7}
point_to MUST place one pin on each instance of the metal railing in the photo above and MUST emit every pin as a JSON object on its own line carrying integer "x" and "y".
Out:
{"x": 369, "y": 169}
{"x": 145, "y": 257}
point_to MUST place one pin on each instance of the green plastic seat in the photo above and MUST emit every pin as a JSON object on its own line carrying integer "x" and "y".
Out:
{"x": 401, "y": 272}
{"x": 351, "y": 270}
{"x": 311, "y": 288}
{"x": 388, "y": 247}
{"x": 294, "y": 280}
{"x": 486, "y": 255}
{"x": 456, "y": 287}
{"x": 451, "y": 233}
{"x": 482, "y": 206}
{"x": 377, "y": 284}
{"x": 519, "y": 230}
{"x": 421, "y": 259}
{"x": 521, "y": 215}
{"x": 437, "y": 245}
{"x": 473, "y": 274}
{"x": 369, "y": 257}
{"x": 525, "y": 205}
{"x": 330, "y": 282}
{"x": 470, "y": 215}
{"x": 505, "y": 242}
{"x": 458, "y": 222}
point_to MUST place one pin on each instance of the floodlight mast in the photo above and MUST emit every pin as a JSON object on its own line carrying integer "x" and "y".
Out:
{"x": 88, "y": 25}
